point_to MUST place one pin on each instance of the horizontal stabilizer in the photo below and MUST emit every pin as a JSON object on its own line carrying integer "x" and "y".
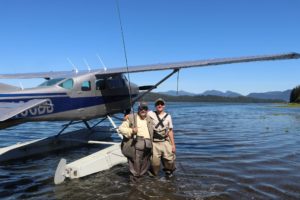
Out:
{"x": 9, "y": 110}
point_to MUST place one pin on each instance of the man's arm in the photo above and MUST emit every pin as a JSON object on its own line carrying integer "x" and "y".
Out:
{"x": 125, "y": 129}
{"x": 171, "y": 136}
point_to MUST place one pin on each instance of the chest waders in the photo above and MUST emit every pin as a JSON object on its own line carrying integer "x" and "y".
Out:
{"x": 159, "y": 136}
{"x": 162, "y": 149}
{"x": 140, "y": 164}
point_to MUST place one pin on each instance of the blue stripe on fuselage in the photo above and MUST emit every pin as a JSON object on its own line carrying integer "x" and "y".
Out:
{"x": 31, "y": 94}
{"x": 62, "y": 104}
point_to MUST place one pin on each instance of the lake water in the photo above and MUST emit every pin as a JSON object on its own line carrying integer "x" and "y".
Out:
{"x": 224, "y": 151}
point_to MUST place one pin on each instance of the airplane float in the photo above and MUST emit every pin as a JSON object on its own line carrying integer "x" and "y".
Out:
{"x": 79, "y": 97}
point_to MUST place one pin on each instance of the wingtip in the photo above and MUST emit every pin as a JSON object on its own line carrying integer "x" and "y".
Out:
{"x": 295, "y": 55}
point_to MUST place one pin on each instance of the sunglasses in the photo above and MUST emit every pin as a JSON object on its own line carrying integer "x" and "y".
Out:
{"x": 143, "y": 108}
{"x": 159, "y": 104}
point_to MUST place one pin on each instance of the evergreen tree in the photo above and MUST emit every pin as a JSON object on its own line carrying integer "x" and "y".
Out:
{"x": 295, "y": 95}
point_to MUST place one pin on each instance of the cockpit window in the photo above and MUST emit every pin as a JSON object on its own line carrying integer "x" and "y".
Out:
{"x": 51, "y": 82}
{"x": 109, "y": 82}
{"x": 100, "y": 84}
{"x": 86, "y": 86}
{"x": 68, "y": 84}
{"x": 124, "y": 77}
{"x": 115, "y": 82}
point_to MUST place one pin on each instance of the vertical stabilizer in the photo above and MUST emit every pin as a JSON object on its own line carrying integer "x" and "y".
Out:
{"x": 8, "y": 88}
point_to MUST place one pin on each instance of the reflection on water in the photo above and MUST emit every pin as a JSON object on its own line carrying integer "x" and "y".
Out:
{"x": 224, "y": 151}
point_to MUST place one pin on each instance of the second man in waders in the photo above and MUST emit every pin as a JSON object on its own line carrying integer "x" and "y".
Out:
{"x": 163, "y": 140}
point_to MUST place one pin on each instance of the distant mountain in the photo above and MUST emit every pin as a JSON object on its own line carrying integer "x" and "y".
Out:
{"x": 284, "y": 95}
{"x": 206, "y": 98}
{"x": 274, "y": 95}
{"x": 206, "y": 93}
{"x": 221, "y": 94}
{"x": 180, "y": 93}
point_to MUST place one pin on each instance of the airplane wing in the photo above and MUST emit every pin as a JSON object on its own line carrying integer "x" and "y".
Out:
{"x": 9, "y": 110}
{"x": 155, "y": 67}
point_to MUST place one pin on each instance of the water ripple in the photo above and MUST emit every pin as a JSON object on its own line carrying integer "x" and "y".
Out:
{"x": 224, "y": 151}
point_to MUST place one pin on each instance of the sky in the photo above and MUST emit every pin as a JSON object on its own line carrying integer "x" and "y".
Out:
{"x": 40, "y": 36}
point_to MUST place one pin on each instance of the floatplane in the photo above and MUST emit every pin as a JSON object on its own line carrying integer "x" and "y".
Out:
{"x": 79, "y": 97}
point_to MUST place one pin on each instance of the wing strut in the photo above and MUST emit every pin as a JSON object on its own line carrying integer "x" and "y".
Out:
{"x": 155, "y": 86}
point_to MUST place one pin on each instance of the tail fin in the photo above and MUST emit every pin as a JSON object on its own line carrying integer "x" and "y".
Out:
{"x": 8, "y": 88}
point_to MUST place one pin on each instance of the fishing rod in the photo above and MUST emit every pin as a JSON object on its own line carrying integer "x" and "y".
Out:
{"x": 126, "y": 60}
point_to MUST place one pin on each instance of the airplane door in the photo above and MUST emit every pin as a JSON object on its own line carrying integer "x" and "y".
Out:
{"x": 114, "y": 92}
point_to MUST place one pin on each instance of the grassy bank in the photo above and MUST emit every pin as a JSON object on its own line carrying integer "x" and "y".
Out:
{"x": 290, "y": 105}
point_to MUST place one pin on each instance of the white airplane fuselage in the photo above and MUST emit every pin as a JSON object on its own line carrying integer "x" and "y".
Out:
{"x": 82, "y": 97}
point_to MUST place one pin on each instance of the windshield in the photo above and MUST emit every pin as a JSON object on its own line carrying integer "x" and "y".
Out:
{"x": 51, "y": 82}
{"x": 68, "y": 84}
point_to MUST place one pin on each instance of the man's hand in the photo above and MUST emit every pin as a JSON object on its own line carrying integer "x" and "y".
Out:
{"x": 126, "y": 117}
{"x": 134, "y": 131}
{"x": 173, "y": 148}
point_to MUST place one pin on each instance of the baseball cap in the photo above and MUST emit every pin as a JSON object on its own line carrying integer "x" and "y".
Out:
{"x": 143, "y": 105}
{"x": 159, "y": 100}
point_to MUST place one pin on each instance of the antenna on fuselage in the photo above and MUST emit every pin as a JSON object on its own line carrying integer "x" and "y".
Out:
{"x": 75, "y": 68}
{"x": 87, "y": 64}
{"x": 104, "y": 67}
{"x": 21, "y": 85}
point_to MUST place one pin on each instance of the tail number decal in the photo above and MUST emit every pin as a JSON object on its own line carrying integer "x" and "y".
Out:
{"x": 45, "y": 108}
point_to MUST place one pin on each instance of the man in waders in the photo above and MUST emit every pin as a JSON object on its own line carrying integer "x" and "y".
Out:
{"x": 139, "y": 128}
{"x": 163, "y": 140}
